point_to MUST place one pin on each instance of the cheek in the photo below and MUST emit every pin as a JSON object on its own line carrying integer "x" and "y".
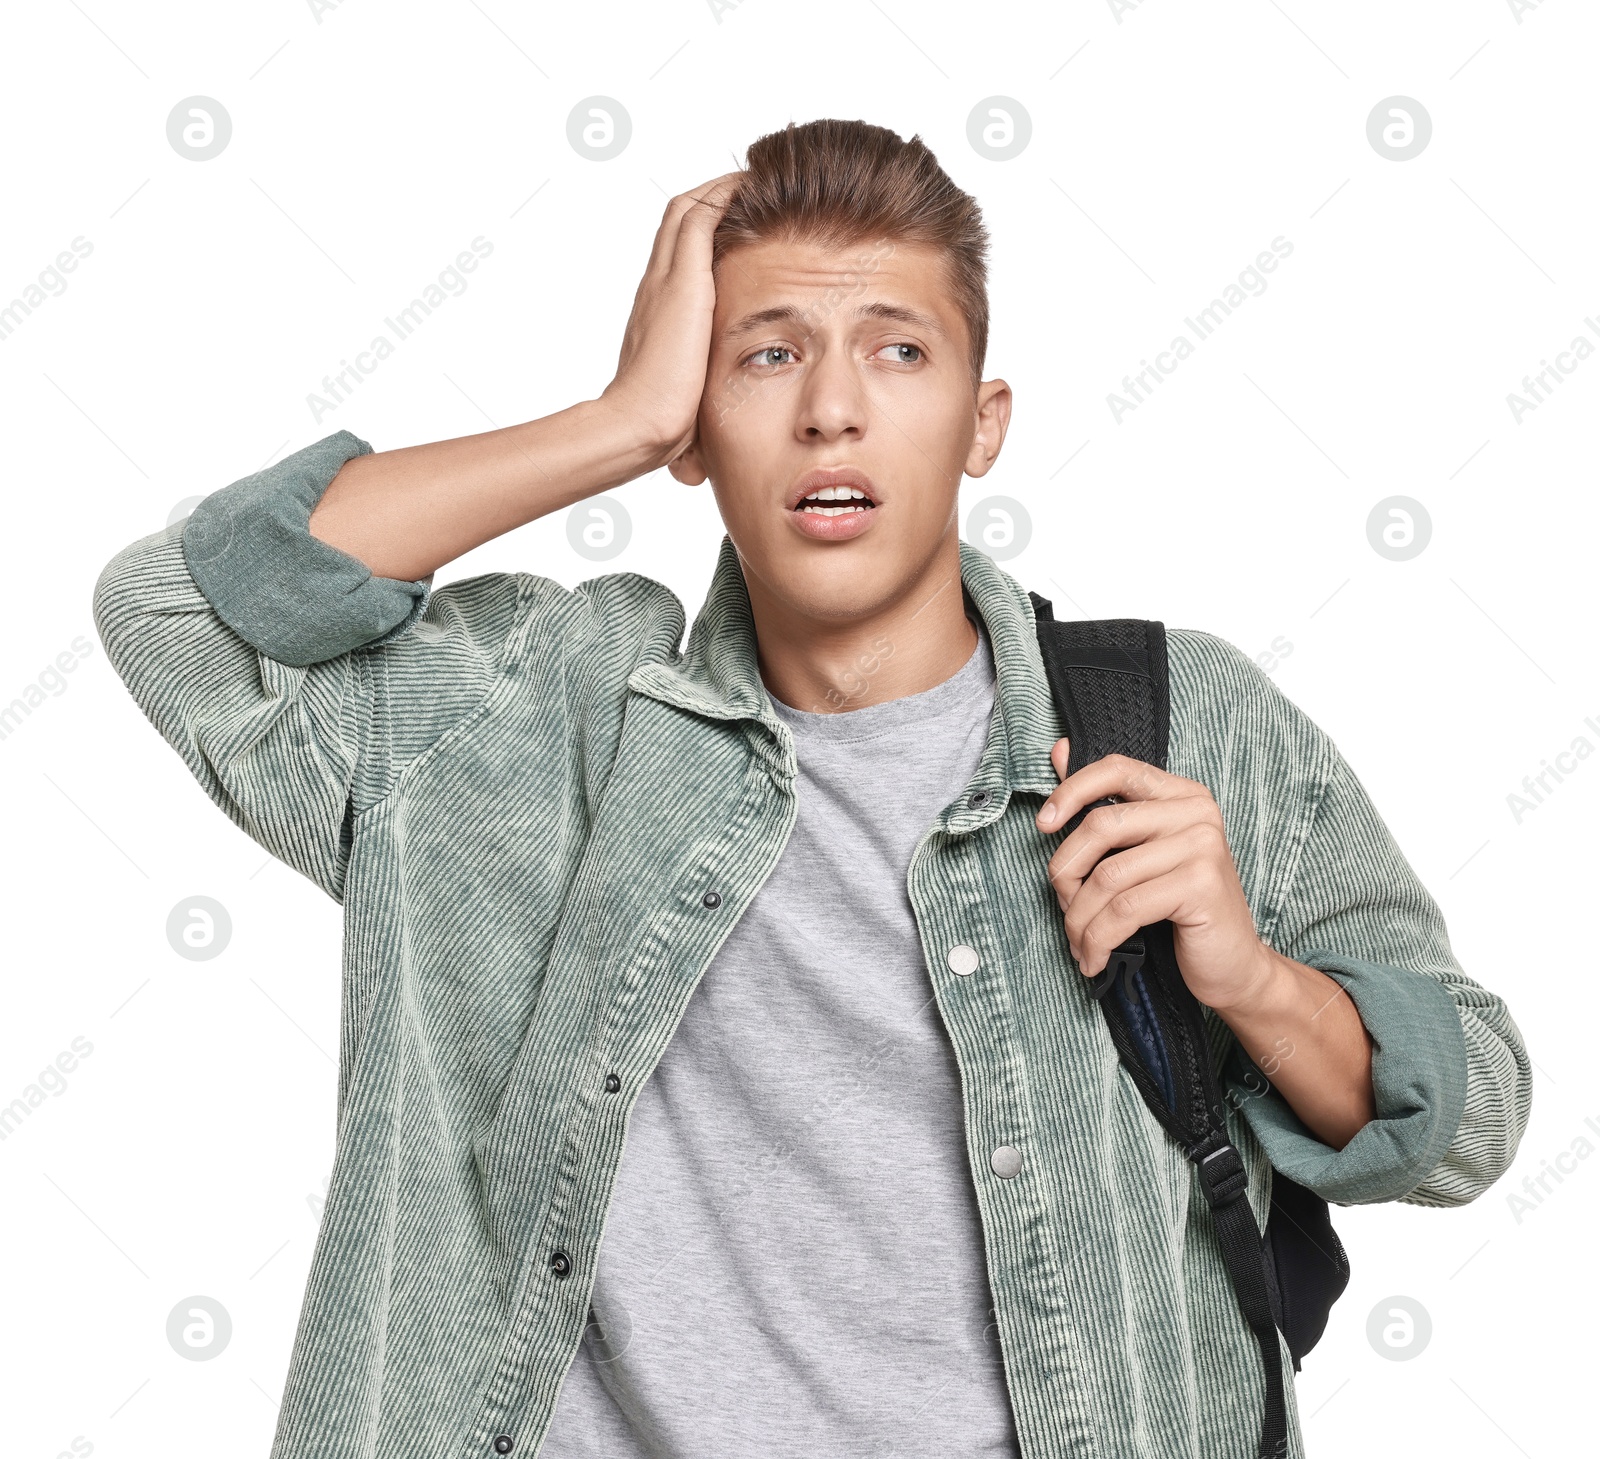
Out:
{"x": 736, "y": 447}
{"x": 738, "y": 420}
{"x": 724, "y": 394}
{"x": 938, "y": 420}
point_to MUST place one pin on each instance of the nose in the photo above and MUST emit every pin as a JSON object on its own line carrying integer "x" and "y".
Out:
{"x": 833, "y": 402}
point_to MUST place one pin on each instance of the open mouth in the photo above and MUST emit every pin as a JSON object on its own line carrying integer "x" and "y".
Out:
{"x": 835, "y": 501}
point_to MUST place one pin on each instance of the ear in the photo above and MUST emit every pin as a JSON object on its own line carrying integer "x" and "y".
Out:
{"x": 687, "y": 466}
{"x": 992, "y": 415}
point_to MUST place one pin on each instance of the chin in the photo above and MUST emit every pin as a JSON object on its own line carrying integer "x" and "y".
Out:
{"x": 836, "y": 582}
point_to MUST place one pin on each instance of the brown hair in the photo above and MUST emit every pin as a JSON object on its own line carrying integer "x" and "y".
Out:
{"x": 836, "y": 183}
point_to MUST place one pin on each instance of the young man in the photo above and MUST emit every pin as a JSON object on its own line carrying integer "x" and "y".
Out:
{"x": 791, "y": 908}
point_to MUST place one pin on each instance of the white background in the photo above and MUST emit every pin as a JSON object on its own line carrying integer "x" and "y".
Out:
{"x": 1171, "y": 144}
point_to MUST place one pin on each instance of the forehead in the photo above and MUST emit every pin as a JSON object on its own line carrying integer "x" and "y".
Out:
{"x": 820, "y": 280}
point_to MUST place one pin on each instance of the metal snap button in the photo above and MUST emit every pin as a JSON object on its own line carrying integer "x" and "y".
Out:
{"x": 962, "y": 960}
{"x": 1006, "y": 1162}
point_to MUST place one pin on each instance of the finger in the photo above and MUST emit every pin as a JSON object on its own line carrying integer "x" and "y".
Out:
{"x": 699, "y": 219}
{"x": 672, "y": 217}
{"x": 721, "y": 186}
{"x": 1126, "y": 823}
{"x": 666, "y": 237}
{"x": 1112, "y": 828}
{"x": 1112, "y": 775}
{"x": 1128, "y": 869}
{"x": 711, "y": 184}
{"x": 1129, "y": 910}
{"x": 1118, "y": 775}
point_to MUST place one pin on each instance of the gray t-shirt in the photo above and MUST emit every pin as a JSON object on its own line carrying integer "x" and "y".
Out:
{"x": 792, "y": 1263}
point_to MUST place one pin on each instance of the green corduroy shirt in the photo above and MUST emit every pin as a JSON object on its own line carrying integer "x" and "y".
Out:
{"x": 542, "y": 813}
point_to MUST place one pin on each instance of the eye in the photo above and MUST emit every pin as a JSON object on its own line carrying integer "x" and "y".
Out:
{"x": 900, "y": 359}
{"x": 760, "y": 356}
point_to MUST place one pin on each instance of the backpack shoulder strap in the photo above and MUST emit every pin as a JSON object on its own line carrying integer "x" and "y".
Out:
{"x": 1109, "y": 681}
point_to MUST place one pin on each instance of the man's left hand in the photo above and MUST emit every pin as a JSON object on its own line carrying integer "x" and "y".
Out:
{"x": 1166, "y": 857}
{"x": 1160, "y": 853}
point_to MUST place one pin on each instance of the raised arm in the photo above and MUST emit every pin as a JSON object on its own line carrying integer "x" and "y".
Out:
{"x": 407, "y": 512}
{"x": 269, "y": 635}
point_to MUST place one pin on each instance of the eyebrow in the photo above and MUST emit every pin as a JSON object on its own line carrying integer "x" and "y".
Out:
{"x": 790, "y": 314}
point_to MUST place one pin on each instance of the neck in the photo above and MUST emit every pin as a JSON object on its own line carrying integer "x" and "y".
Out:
{"x": 908, "y": 645}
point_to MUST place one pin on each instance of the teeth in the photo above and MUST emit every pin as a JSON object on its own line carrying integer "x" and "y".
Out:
{"x": 835, "y": 494}
{"x": 829, "y": 511}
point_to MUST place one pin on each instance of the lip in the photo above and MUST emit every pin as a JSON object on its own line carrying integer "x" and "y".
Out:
{"x": 832, "y": 529}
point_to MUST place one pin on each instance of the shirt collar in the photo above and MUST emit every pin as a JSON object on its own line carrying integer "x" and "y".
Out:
{"x": 717, "y": 676}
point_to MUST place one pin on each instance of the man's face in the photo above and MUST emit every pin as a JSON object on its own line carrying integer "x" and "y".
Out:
{"x": 852, "y": 360}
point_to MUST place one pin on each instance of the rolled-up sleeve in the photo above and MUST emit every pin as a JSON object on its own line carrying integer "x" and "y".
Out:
{"x": 294, "y": 683}
{"x": 290, "y": 595}
{"x": 1451, "y": 1077}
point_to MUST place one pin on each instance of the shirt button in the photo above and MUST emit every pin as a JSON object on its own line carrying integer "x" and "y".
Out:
{"x": 613, "y": 1083}
{"x": 712, "y": 900}
{"x": 978, "y": 799}
{"x": 560, "y": 1263}
{"x": 504, "y": 1444}
{"x": 1006, "y": 1162}
{"x": 962, "y": 960}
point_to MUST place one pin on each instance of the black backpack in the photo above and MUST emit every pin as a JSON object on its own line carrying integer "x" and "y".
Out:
{"x": 1109, "y": 681}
